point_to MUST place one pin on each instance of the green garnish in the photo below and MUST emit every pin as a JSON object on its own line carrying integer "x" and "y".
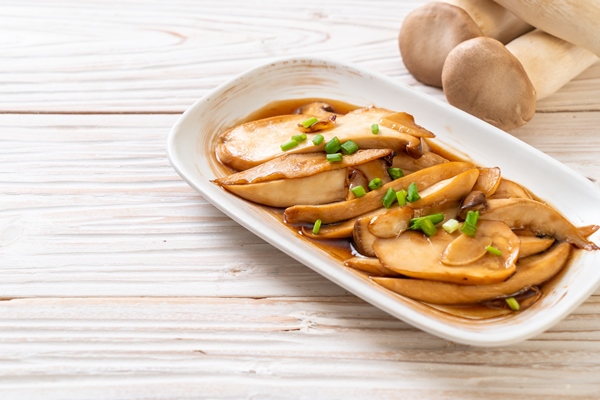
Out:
{"x": 415, "y": 223}
{"x": 299, "y": 138}
{"x": 337, "y": 157}
{"x": 513, "y": 303}
{"x": 375, "y": 184}
{"x": 451, "y": 225}
{"x": 318, "y": 139}
{"x": 401, "y": 196}
{"x": 427, "y": 227}
{"x": 358, "y": 191}
{"x": 395, "y": 173}
{"x": 493, "y": 250}
{"x": 375, "y": 129}
{"x": 316, "y": 227}
{"x": 388, "y": 198}
{"x": 349, "y": 147}
{"x": 289, "y": 145}
{"x": 310, "y": 122}
{"x": 413, "y": 193}
{"x": 470, "y": 225}
{"x": 333, "y": 146}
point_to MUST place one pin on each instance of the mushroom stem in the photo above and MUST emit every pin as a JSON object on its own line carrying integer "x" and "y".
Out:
{"x": 431, "y": 31}
{"x": 500, "y": 84}
{"x": 575, "y": 21}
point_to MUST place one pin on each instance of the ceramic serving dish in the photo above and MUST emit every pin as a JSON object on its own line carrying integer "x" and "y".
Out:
{"x": 191, "y": 146}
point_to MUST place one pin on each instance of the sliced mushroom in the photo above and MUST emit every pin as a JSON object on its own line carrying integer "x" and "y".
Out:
{"x": 509, "y": 189}
{"x": 538, "y": 217}
{"x": 375, "y": 169}
{"x": 391, "y": 223}
{"x": 449, "y": 189}
{"x": 256, "y": 142}
{"x": 410, "y": 164}
{"x": 363, "y": 238}
{"x": 326, "y": 187}
{"x": 405, "y": 123}
{"x": 322, "y": 124}
{"x": 531, "y": 271}
{"x": 531, "y": 245}
{"x": 370, "y": 265}
{"x": 488, "y": 181}
{"x": 317, "y": 109}
{"x": 355, "y": 179}
{"x": 330, "y": 213}
{"x": 475, "y": 201}
{"x": 416, "y": 255}
{"x": 339, "y": 230}
{"x": 290, "y": 166}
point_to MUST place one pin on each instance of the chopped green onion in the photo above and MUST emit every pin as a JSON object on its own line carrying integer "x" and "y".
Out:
{"x": 349, "y": 147}
{"x": 428, "y": 227}
{"x": 433, "y": 218}
{"x": 289, "y": 145}
{"x": 513, "y": 303}
{"x": 401, "y": 196}
{"x": 395, "y": 173}
{"x": 337, "y": 157}
{"x": 299, "y": 138}
{"x": 318, "y": 139}
{"x": 388, "y": 198}
{"x": 470, "y": 225}
{"x": 375, "y": 129}
{"x": 333, "y": 146}
{"x": 310, "y": 122}
{"x": 413, "y": 193}
{"x": 375, "y": 184}
{"x": 358, "y": 191}
{"x": 316, "y": 227}
{"x": 451, "y": 225}
{"x": 493, "y": 250}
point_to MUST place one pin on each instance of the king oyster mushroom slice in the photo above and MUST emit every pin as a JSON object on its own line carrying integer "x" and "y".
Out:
{"x": 453, "y": 257}
{"x": 256, "y": 142}
{"x": 449, "y": 189}
{"x": 297, "y": 178}
{"x": 392, "y": 222}
{"x": 531, "y": 271}
{"x": 363, "y": 238}
{"x": 317, "y": 109}
{"x": 488, "y": 181}
{"x": 370, "y": 265}
{"x": 541, "y": 219}
{"x": 531, "y": 245}
{"x": 508, "y": 189}
{"x": 410, "y": 164}
{"x": 339, "y": 230}
{"x": 335, "y": 212}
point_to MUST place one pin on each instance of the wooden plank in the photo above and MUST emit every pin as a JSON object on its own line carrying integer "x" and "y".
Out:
{"x": 324, "y": 347}
{"x": 110, "y": 56}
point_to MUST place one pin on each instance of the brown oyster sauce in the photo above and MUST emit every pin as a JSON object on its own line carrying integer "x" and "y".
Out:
{"x": 343, "y": 249}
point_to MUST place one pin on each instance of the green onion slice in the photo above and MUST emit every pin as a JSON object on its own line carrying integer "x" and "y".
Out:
{"x": 310, "y": 122}
{"x": 401, "y": 197}
{"x": 493, "y": 250}
{"x": 333, "y": 146}
{"x": 358, "y": 191}
{"x": 316, "y": 227}
{"x": 513, "y": 303}
{"x": 427, "y": 227}
{"x": 451, "y": 225}
{"x": 299, "y": 138}
{"x": 415, "y": 223}
{"x": 413, "y": 193}
{"x": 375, "y": 184}
{"x": 349, "y": 147}
{"x": 375, "y": 129}
{"x": 395, "y": 173}
{"x": 470, "y": 225}
{"x": 318, "y": 139}
{"x": 337, "y": 157}
{"x": 388, "y": 198}
{"x": 289, "y": 145}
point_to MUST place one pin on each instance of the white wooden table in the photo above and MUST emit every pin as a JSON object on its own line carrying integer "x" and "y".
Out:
{"x": 119, "y": 281}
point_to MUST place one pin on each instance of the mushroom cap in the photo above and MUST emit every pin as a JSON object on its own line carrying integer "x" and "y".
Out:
{"x": 483, "y": 78}
{"x": 428, "y": 34}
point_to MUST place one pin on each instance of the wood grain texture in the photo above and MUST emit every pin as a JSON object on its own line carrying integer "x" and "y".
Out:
{"x": 119, "y": 281}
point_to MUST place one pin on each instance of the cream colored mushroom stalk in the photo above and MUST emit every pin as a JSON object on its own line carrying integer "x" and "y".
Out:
{"x": 502, "y": 84}
{"x": 429, "y": 33}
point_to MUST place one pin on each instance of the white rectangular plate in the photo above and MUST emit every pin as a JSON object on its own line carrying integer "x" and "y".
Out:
{"x": 192, "y": 141}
